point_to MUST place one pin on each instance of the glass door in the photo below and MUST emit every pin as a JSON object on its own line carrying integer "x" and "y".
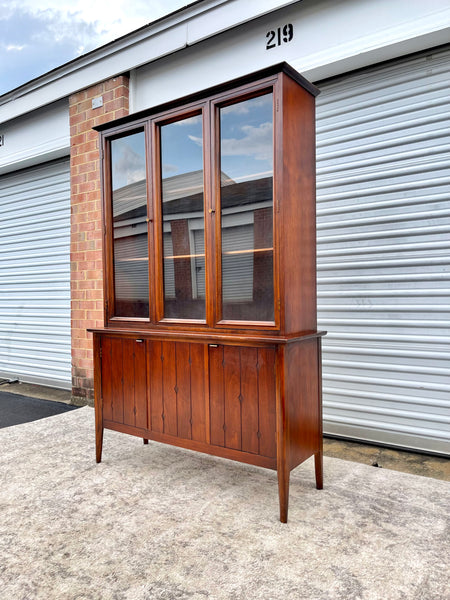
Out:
{"x": 182, "y": 219}
{"x": 129, "y": 224}
{"x": 246, "y": 210}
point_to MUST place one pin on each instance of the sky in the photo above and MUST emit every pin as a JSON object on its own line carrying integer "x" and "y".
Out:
{"x": 246, "y": 145}
{"x": 37, "y": 36}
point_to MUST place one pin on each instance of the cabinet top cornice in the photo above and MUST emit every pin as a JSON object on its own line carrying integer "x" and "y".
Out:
{"x": 270, "y": 71}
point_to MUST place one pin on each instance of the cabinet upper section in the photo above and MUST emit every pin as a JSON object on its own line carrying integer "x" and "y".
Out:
{"x": 209, "y": 209}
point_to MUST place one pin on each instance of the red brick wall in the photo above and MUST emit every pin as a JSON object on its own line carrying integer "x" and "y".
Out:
{"x": 86, "y": 224}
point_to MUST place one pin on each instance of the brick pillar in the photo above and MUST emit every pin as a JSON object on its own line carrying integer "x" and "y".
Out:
{"x": 86, "y": 222}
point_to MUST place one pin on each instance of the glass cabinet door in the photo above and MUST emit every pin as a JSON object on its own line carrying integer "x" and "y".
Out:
{"x": 246, "y": 200}
{"x": 183, "y": 226}
{"x": 129, "y": 223}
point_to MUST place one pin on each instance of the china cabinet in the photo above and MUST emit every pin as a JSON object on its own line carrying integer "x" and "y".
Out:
{"x": 210, "y": 339}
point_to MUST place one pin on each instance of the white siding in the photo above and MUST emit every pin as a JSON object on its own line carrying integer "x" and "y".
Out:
{"x": 35, "y": 275}
{"x": 384, "y": 252}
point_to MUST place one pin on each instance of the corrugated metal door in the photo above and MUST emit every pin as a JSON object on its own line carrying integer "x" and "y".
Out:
{"x": 384, "y": 252}
{"x": 35, "y": 275}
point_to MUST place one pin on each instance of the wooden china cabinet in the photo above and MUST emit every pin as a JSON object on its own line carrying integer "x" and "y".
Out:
{"x": 210, "y": 339}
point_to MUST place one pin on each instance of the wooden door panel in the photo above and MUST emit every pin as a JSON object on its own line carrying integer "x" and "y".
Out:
{"x": 267, "y": 402}
{"x": 106, "y": 379}
{"x": 249, "y": 400}
{"x": 183, "y": 390}
{"x": 169, "y": 388}
{"x": 155, "y": 378}
{"x": 128, "y": 374}
{"x": 232, "y": 397}
{"x": 140, "y": 384}
{"x": 124, "y": 381}
{"x": 242, "y": 399}
{"x": 117, "y": 379}
{"x": 216, "y": 396}
{"x": 198, "y": 399}
{"x": 176, "y": 384}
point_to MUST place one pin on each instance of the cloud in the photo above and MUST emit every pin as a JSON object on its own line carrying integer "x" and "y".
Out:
{"x": 40, "y": 42}
{"x": 243, "y": 108}
{"x": 168, "y": 169}
{"x": 44, "y": 34}
{"x": 189, "y": 121}
{"x": 257, "y": 143}
{"x": 128, "y": 166}
{"x": 196, "y": 140}
{"x": 14, "y": 48}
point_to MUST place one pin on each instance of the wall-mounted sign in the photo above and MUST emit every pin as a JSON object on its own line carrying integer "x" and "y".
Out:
{"x": 97, "y": 102}
{"x": 280, "y": 35}
{"x": 2, "y": 140}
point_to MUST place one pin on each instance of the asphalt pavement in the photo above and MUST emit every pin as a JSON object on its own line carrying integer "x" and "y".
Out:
{"x": 16, "y": 409}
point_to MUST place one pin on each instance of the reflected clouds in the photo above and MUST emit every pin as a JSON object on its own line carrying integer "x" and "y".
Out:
{"x": 128, "y": 160}
{"x": 257, "y": 142}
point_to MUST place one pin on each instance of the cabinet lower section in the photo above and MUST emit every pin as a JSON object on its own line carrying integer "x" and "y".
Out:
{"x": 259, "y": 404}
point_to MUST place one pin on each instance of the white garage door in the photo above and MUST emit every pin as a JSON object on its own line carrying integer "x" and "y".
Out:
{"x": 384, "y": 252}
{"x": 35, "y": 275}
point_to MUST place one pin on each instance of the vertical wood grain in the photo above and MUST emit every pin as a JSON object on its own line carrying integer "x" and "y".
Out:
{"x": 157, "y": 250}
{"x": 198, "y": 405}
{"x": 169, "y": 387}
{"x": 297, "y": 233}
{"x": 140, "y": 384}
{"x": 232, "y": 395}
{"x": 117, "y": 379}
{"x": 107, "y": 378}
{"x": 154, "y": 370}
{"x": 302, "y": 401}
{"x": 249, "y": 399}
{"x": 183, "y": 384}
{"x": 216, "y": 399}
{"x": 267, "y": 406}
{"x": 128, "y": 382}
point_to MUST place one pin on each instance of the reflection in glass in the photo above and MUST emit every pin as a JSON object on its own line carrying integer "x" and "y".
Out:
{"x": 129, "y": 208}
{"x": 183, "y": 220}
{"x": 246, "y": 155}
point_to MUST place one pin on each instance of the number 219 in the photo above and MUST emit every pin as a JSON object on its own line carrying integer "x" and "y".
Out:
{"x": 280, "y": 35}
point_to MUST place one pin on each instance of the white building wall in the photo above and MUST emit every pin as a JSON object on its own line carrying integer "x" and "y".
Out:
{"x": 328, "y": 38}
{"x": 37, "y": 137}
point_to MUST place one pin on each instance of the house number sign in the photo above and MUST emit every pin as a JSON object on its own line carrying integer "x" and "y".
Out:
{"x": 2, "y": 140}
{"x": 280, "y": 35}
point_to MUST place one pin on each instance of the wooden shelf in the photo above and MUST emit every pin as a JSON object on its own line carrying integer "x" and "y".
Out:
{"x": 254, "y": 251}
{"x": 179, "y": 256}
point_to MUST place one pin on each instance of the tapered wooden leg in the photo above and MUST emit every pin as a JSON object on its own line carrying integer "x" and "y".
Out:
{"x": 98, "y": 440}
{"x": 318, "y": 463}
{"x": 318, "y": 457}
{"x": 145, "y": 440}
{"x": 283, "y": 470}
{"x": 98, "y": 403}
{"x": 283, "y": 492}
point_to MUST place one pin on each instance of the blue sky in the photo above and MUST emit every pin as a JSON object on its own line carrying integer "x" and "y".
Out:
{"x": 38, "y": 35}
{"x": 246, "y": 145}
